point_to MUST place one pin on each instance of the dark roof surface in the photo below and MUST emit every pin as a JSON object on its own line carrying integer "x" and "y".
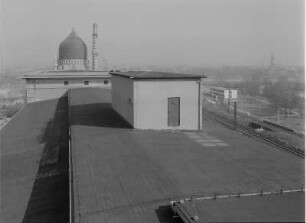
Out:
{"x": 33, "y": 145}
{"x": 287, "y": 207}
{"x": 156, "y": 75}
{"x": 126, "y": 175}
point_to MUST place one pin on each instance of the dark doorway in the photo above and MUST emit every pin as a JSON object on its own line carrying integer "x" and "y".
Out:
{"x": 174, "y": 111}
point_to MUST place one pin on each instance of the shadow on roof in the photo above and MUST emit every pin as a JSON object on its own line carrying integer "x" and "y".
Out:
{"x": 49, "y": 199}
{"x": 96, "y": 114}
{"x": 165, "y": 214}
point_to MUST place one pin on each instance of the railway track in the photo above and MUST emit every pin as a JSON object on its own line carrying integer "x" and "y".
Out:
{"x": 243, "y": 128}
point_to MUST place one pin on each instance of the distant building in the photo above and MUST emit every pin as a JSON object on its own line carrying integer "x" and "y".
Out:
{"x": 261, "y": 88}
{"x": 51, "y": 85}
{"x": 220, "y": 93}
{"x": 153, "y": 100}
{"x": 72, "y": 54}
{"x": 272, "y": 61}
{"x": 71, "y": 70}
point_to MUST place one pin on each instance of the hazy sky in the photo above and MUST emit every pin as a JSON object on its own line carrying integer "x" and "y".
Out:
{"x": 165, "y": 32}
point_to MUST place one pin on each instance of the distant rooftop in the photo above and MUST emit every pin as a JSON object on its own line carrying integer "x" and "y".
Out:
{"x": 67, "y": 74}
{"x": 253, "y": 208}
{"x": 222, "y": 88}
{"x": 75, "y": 71}
{"x": 156, "y": 75}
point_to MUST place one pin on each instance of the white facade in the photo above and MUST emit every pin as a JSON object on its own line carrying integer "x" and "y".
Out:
{"x": 144, "y": 103}
{"x": 122, "y": 97}
{"x": 41, "y": 88}
{"x": 220, "y": 93}
{"x": 72, "y": 64}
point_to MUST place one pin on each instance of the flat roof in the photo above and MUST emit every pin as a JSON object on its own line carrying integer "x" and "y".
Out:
{"x": 67, "y": 74}
{"x": 286, "y": 207}
{"x": 33, "y": 145}
{"x": 222, "y": 88}
{"x": 75, "y": 71}
{"x": 64, "y": 76}
{"x": 125, "y": 175}
{"x": 156, "y": 75}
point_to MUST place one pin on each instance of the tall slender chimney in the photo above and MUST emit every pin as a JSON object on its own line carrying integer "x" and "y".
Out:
{"x": 94, "y": 47}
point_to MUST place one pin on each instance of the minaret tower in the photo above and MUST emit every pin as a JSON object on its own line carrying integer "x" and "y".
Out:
{"x": 94, "y": 47}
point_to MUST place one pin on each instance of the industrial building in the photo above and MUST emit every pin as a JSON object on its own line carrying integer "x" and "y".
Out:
{"x": 71, "y": 70}
{"x": 221, "y": 94}
{"x": 156, "y": 100}
{"x": 51, "y": 85}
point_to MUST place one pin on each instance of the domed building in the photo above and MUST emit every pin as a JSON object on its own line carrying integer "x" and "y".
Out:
{"x": 71, "y": 70}
{"x": 72, "y": 54}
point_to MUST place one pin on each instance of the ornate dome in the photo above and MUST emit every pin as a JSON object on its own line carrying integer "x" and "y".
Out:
{"x": 73, "y": 47}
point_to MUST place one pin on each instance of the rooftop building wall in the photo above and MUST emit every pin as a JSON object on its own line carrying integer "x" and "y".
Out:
{"x": 151, "y": 103}
{"x": 42, "y": 88}
{"x": 145, "y": 103}
{"x": 122, "y": 97}
{"x": 223, "y": 93}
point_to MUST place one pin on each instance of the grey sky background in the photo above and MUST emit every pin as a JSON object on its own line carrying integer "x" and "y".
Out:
{"x": 159, "y": 32}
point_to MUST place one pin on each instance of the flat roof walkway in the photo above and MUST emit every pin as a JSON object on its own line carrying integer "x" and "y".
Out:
{"x": 33, "y": 164}
{"x": 126, "y": 175}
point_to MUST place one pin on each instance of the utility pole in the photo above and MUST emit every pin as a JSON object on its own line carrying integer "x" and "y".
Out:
{"x": 259, "y": 111}
{"x": 235, "y": 114}
{"x": 228, "y": 102}
{"x": 200, "y": 105}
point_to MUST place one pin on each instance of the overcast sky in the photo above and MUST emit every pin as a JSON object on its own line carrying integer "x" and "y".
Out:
{"x": 165, "y": 32}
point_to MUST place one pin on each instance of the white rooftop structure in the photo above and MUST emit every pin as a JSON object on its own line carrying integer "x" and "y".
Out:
{"x": 155, "y": 100}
